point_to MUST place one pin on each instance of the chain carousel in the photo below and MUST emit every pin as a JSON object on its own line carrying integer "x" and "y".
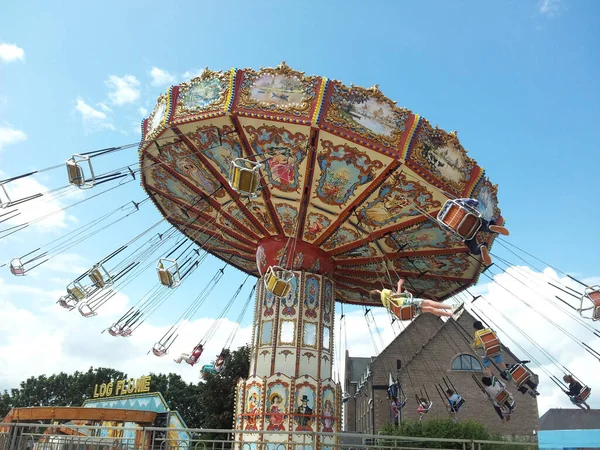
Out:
{"x": 321, "y": 190}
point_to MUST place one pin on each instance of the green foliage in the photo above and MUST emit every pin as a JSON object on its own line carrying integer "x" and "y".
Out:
{"x": 218, "y": 396}
{"x": 57, "y": 390}
{"x": 180, "y": 396}
{"x": 201, "y": 405}
{"x": 438, "y": 428}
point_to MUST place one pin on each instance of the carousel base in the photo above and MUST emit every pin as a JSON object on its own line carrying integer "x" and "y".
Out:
{"x": 280, "y": 404}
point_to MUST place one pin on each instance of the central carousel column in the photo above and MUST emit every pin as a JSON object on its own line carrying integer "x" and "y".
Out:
{"x": 290, "y": 386}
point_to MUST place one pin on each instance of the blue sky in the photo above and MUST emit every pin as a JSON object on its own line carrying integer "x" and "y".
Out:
{"x": 516, "y": 79}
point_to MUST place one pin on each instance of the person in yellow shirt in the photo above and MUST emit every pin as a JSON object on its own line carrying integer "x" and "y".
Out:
{"x": 394, "y": 301}
{"x": 480, "y": 330}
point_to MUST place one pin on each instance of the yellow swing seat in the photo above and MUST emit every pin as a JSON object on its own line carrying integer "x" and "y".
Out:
{"x": 76, "y": 174}
{"x": 277, "y": 281}
{"x": 76, "y": 291}
{"x": 168, "y": 273}
{"x": 98, "y": 278}
{"x": 244, "y": 176}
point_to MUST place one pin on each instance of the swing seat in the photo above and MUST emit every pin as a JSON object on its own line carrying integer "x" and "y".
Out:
{"x": 159, "y": 349}
{"x": 76, "y": 292}
{"x": 168, "y": 273}
{"x": 85, "y": 310}
{"x": 67, "y": 302}
{"x": 491, "y": 343}
{"x": 76, "y": 174}
{"x": 456, "y": 407}
{"x": 16, "y": 268}
{"x": 115, "y": 330}
{"x": 583, "y": 395}
{"x": 591, "y": 294}
{"x": 277, "y": 281}
{"x": 520, "y": 374}
{"x": 504, "y": 398}
{"x": 424, "y": 408}
{"x": 407, "y": 312}
{"x": 4, "y": 201}
{"x": 126, "y": 332}
{"x": 99, "y": 279}
{"x": 464, "y": 221}
{"x": 208, "y": 368}
{"x": 244, "y": 176}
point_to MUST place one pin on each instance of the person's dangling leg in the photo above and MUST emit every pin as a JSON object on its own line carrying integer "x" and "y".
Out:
{"x": 436, "y": 312}
{"x": 479, "y": 249}
{"x": 436, "y": 305}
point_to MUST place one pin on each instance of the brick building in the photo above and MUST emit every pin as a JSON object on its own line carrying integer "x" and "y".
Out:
{"x": 428, "y": 349}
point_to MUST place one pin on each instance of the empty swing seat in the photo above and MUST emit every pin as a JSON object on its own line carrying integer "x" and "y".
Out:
{"x": 85, "y": 310}
{"x": 97, "y": 278}
{"x": 160, "y": 349}
{"x": 115, "y": 330}
{"x": 244, "y": 176}
{"x": 277, "y": 281}
{"x": 168, "y": 272}
{"x": 16, "y": 267}
{"x": 67, "y": 302}
{"x": 464, "y": 221}
{"x": 126, "y": 332}
{"x": 76, "y": 174}
{"x": 520, "y": 374}
{"x": 593, "y": 295}
{"x": 76, "y": 292}
{"x": 491, "y": 343}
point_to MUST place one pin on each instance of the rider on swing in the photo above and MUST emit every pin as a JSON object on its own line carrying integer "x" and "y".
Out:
{"x": 488, "y": 226}
{"x": 389, "y": 298}
{"x": 193, "y": 358}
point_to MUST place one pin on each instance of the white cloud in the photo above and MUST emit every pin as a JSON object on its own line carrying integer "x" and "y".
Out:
{"x": 37, "y": 208}
{"x": 10, "y": 53}
{"x": 532, "y": 287}
{"x": 161, "y": 77}
{"x": 94, "y": 119}
{"x": 550, "y": 8}
{"x": 10, "y": 135}
{"x": 190, "y": 74}
{"x": 123, "y": 90}
{"x": 71, "y": 342}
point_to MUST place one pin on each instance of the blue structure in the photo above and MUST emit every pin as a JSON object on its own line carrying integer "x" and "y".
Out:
{"x": 569, "y": 429}
{"x": 151, "y": 401}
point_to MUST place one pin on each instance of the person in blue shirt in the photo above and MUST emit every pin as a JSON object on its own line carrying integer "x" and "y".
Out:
{"x": 455, "y": 401}
{"x": 488, "y": 226}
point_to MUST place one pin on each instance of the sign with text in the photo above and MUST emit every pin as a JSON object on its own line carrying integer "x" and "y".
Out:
{"x": 122, "y": 387}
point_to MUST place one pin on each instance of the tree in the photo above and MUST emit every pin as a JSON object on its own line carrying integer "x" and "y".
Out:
{"x": 218, "y": 396}
{"x": 58, "y": 390}
{"x": 180, "y": 396}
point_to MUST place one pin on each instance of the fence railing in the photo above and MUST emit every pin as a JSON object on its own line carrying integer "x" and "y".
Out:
{"x": 32, "y": 436}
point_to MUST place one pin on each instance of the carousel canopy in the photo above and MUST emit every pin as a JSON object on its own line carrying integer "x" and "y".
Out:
{"x": 353, "y": 181}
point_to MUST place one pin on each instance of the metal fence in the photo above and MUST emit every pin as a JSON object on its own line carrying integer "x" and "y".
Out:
{"x": 31, "y": 436}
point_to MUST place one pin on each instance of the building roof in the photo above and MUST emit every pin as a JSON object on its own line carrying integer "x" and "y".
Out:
{"x": 570, "y": 419}
{"x": 357, "y": 368}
